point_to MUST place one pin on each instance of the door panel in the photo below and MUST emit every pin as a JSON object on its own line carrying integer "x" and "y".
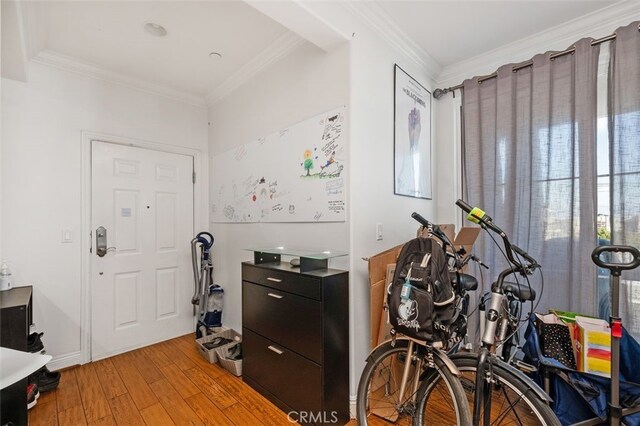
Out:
{"x": 141, "y": 289}
{"x": 166, "y": 292}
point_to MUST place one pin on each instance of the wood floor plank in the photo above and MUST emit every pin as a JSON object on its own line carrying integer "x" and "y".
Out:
{"x": 241, "y": 416}
{"x": 46, "y": 397}
{"x": 178, "y": 357}
{"x": 110, "y": 380}
{"x": 138, "y": 389}
{"x": 156, "y": 415}
{"x": 187, "y": 346}
{"x": 105, "y": 421}
{"x": 179, "y": 381}
{"x": 147, "y": 369}
{"x": 73, "y": 416}
{"x": 67, "y": 393}
{"x": 178, "y": 409}
{"x": 93, "y": 399}
{"x": 45, "y": 415}
{"x": 268, "y": 413}
{"x": 218, "y": 395}
{"x": 125, "y": 411}
{"x": 157, "y": 356}
{"x": 207, "y": 411}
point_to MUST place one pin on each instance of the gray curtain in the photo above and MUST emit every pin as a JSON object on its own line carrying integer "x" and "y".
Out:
{"x": 624, "y": 136}
{"x": 529, "y": 162}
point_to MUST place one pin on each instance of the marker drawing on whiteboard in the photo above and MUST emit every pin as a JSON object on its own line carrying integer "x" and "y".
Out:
{"x": 240, "y": 153}
{"x": 317, "y": 216}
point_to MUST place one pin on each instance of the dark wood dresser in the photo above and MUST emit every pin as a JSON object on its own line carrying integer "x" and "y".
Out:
{"x": 295, "y": 328}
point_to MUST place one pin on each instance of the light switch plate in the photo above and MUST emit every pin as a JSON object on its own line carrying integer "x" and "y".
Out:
{"x": 67, "y": 235}
{"x": 378, "y": 231}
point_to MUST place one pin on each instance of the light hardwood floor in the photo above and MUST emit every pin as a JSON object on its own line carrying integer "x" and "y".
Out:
{"x": 163, "y": 384}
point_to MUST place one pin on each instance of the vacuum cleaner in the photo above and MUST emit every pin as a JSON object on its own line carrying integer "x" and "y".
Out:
{"x": 207, "y": 296}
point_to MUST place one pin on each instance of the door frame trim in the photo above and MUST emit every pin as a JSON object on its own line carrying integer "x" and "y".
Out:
{"x": 200, "y": 210}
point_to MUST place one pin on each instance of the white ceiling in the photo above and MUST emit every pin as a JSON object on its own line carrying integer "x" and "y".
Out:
{"x": 111, "y": 36}
{"x": 452, "y": 31}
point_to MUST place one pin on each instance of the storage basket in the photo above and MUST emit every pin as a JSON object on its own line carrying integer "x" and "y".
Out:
{"x": 232, "y": 366}
{"x": 210, "y": 354}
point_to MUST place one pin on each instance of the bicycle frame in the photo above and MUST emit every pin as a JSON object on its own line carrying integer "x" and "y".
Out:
{"x": 495, "y": 318}
{"x": 430, "y": 350}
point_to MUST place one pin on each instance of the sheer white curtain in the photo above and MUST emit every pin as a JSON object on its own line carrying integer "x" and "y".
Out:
{"x": 530, "y": 162}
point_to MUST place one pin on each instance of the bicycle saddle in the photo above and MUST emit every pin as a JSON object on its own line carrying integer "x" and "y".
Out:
{"x": 522, "y": 292}
{"x": 467, "y": 282}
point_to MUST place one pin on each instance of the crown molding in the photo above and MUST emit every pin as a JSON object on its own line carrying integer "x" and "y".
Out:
{"x": 281, "y": 47}
{"x": 56, "y": 60}
{"x": 381, "y": 23}
{"x": 596, "y": 24}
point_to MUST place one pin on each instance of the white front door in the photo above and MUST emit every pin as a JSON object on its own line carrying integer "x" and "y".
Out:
{"x": 141, "y": 288}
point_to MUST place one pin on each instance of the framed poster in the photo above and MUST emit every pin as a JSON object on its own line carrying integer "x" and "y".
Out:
{"x": 412, "y": 137}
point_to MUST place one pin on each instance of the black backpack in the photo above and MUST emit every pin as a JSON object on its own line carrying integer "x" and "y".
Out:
{"x": 421, "y": 299}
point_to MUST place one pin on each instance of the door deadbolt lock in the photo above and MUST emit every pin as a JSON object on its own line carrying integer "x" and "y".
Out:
{"x": 101, "y": 241}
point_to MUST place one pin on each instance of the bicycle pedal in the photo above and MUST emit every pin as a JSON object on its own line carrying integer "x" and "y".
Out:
{"x": 524, "y": 367}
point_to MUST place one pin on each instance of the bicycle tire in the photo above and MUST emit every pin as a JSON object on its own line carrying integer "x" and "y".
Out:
{"x": 384, "y": 369}
{"x": 523, "y": 406}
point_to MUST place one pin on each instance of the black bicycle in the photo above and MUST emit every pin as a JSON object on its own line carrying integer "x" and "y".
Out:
{"x": 500, "y": 394}
{"x": 397, "y": 368}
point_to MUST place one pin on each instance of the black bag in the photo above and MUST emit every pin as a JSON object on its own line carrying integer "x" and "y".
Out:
{"x": 420, "y": 297}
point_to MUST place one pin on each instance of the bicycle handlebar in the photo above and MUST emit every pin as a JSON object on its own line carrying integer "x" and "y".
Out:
{"x": 437, "y": 232}
{"x": 476, "y": 215}
{"x": 616, "y": 268}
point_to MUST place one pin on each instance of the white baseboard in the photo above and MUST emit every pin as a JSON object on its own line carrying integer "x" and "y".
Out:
{"x": 64, "y": 361}
{"x": 352, "y": 406}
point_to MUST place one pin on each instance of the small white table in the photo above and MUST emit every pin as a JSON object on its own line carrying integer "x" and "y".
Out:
{"x": 15, "y": 366}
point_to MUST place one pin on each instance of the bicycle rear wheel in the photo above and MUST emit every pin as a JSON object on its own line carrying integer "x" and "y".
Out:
{"x": 513, "y": 402}
{"x": 379, "y": 400}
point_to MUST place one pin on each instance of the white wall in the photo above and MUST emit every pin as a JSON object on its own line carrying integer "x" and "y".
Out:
{"x": 305, "y": 83}
{"x": 372, "y": 182}
{"x": 42, "y": 123}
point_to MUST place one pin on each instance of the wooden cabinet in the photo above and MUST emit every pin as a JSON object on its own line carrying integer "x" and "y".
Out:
{"x": 295, "y": 330}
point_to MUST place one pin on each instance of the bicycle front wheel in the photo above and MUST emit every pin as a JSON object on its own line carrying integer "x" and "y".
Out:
{"x": 513, "y": 402}
{"x": 379, "y": 400}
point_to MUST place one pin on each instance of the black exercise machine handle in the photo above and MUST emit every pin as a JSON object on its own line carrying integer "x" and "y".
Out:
{"x": 615, "y": 268}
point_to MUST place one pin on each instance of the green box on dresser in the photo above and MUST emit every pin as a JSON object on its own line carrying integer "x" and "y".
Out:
{"x": 295, "y": 328}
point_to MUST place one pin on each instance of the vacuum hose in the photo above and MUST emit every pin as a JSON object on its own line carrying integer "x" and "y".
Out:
{"x": 195, "y": 299}
{"x": 202, "y": 273}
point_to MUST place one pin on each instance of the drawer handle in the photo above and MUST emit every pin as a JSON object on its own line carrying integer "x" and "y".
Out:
{"x": 275, "y": 280}
{"x": 276, "y": 350}
{"x": 275, "y": 296}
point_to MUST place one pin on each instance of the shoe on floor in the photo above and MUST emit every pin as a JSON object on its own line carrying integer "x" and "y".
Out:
{"x": 218, "y": 341}
{"x": 32, "y": 395}
{"x": 45, "y": 379}
{"x": 34, "y": 342}
{"x": 235, "y": 352}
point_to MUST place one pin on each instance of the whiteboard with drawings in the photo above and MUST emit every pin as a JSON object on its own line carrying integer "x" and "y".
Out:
{"x": 294, "y": 175}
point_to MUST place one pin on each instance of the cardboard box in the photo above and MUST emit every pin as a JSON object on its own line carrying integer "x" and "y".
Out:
{"x": 466, "y": 238}
{"x": 378, "y": 285}
{"x": 593, "y": 343}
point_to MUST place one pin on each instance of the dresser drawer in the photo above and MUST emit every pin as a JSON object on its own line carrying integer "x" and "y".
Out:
{"x": 291, "y": 282}
{"x": 294, "y": 380}
{"x": 289, "y": 320}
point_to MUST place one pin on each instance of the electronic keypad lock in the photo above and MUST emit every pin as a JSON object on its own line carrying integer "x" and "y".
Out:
{"x": 101, "y": 241}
